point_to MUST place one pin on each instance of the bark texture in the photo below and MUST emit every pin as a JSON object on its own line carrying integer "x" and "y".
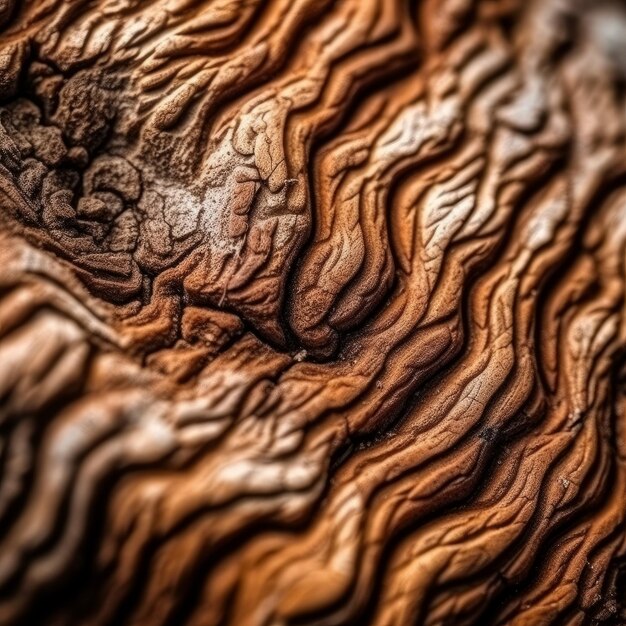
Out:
{"x": 312, "y": 312}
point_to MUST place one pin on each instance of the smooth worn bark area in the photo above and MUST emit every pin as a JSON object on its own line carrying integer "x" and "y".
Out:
{"x": 312, "y": 312}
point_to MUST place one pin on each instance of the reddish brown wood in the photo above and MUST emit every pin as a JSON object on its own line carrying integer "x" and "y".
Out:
{"x": 312, "y": 312}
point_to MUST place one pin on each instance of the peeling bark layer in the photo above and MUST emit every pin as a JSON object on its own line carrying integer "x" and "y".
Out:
{"x": 312, "y": 312}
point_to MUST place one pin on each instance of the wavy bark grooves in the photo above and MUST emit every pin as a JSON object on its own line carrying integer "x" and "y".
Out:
{"x": 312, "y": 312}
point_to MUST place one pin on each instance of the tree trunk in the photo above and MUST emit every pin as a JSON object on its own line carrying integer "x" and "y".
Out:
{"x": 312, "y": 312}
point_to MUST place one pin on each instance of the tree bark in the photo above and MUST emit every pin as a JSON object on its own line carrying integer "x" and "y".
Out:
{"x": 312, "y": 312}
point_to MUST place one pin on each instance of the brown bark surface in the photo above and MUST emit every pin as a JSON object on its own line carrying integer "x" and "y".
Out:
{"x": 312, "y": 312}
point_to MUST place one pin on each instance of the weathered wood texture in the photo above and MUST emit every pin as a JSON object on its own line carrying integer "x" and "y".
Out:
{"x": 312, "y": 312}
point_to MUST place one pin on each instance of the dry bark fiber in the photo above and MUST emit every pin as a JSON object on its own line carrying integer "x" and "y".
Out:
{"x": 312, "y": 312}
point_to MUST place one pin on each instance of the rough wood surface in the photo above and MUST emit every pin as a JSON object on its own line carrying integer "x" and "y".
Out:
{"x": 312, "y": 312}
